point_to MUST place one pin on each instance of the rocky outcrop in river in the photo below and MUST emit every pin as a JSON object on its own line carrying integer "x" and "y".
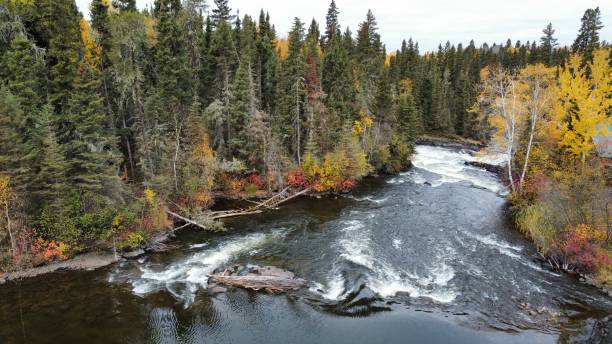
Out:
{"x": 267, "y": 278}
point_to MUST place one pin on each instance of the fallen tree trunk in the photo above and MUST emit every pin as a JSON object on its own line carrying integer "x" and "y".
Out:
{"x": 234, "y": 214}
{"x": 267, "y": 278}
{"x": 189, "y": 221}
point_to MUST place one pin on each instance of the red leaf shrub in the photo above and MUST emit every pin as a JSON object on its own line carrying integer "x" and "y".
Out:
{"x": 255, "y": 179}
{"x": 296, "y": 179}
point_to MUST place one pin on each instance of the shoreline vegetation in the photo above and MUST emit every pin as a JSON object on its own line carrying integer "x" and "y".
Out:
{"x": 112, "y": 128}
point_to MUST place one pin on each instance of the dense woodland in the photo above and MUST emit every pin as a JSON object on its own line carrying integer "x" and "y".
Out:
{"x": 106, "y": 123}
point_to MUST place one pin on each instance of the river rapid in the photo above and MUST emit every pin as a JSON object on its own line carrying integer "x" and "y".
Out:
{"x": 427, "y": 256}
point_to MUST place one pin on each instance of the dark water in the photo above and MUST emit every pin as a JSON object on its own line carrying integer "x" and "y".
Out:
{"x": 425, "y": 257}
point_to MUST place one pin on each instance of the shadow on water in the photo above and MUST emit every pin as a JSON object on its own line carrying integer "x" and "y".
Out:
{"x": 419, "y": 257}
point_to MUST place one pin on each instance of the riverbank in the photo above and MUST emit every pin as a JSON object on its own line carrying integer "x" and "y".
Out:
{"x": 94, "y": 260}
{"x": 86, "y": 261}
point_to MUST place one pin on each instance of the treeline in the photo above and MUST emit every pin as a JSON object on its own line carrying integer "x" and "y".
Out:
{"x": 105, "y": 123}
{"x": 554, "y": 125}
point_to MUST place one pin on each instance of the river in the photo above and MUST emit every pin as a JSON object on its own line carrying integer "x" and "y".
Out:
{"x": 423, "y": 257}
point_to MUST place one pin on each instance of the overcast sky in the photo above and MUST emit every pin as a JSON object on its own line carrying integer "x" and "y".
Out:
{"x": 431, "y": 22}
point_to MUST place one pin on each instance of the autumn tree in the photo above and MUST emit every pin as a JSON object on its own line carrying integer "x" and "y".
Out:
{"x": 501, "y": 97}
{"x": 537, "y": 86}
{"x": 583, "y": 110}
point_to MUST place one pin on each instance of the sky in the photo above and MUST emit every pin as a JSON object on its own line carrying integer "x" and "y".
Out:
{"x": 431, "y": 22}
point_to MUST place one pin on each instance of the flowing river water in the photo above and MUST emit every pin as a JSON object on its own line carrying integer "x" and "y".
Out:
{"x": 423, "y": 257}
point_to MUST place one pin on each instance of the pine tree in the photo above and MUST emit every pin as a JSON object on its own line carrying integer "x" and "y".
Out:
{"x": 222, "y": 12}
{"x": 23, "y": 67}
{"x": 548, "y": 43}
{"x": 288, "y": 120}
{"x": 369, "y": 56}
{"x": 50, "y": 180}
{"x": 56, "y": 28}
{"x": 242, "y": 106}
{"x": 125, "y": 5}
{"x": 89, "y": 142}
{"x": 100, "y": 22}
{"x": 408, "y": 116}
{"x": 13, "y": 147}
{"x": 332, "y": 28}
{"x": 266, "y": 64}
{"x": 588, "y": 35}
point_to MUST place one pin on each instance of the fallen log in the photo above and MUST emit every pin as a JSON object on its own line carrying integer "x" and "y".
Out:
{"x": 267, "y": 278}
{"x": 225, "y": 215}
{"x": 189, "y": 221}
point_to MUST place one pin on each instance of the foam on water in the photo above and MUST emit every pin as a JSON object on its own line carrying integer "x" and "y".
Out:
{"x": 198, "y": 245}
{"x": 370, "y": 199}
{"x": 450, "y": 166}
{"x": 184, "y": 278}
{"x": 397, "y": 243}
{"x": 355, "y": 247}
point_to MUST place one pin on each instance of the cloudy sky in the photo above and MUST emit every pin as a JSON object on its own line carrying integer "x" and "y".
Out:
{"x": 431, "y": 22}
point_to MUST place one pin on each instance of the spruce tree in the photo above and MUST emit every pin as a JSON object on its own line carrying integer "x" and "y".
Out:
{"x": 56, "y": 28}
{"x": 408, "y": 117}
{"x": 50, "y": 180}
{"x": 332, "y": 28}
{"x": 89, "y": 143}
{"x": 288, "y": 121}
{"x": 266, "y": 64}
{"x": 241, "y": 107}
{"x": 24, "y": 69}
{"x": 13, "y": 148}
{"x": 588, "y": 35}
{"x": 222, "y": 12}
{"x": 125, "y": 5}
{"x": 548, "y": 43}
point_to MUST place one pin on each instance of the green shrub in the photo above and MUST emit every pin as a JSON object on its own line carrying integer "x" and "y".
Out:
{"x": 536, "y": 221}
{"x": 68, "y": 220}
{"x": 132, "y": 241}
{"x": 250, "y": 189}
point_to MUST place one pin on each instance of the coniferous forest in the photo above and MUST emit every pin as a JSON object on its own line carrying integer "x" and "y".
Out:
{"x": 107, "y": 123}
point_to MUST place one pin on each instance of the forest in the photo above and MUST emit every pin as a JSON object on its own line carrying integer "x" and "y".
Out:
{"x": 107, "y": 123}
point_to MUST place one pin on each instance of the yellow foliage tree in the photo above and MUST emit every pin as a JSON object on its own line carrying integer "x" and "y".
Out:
{"x": 537, "y": 88}
{"x": 92, "y": 50}
{"x": 582, "y": 112}
{"x": 6, "y": 195}
{"x": 282, "y": 46}
{"x": 149, "y": 24}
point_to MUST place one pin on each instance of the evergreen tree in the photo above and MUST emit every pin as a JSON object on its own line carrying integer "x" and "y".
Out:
{"x": 125, "y": 5}
{"x": 50, "y": 180}
{"x": 588, "y": 35}
{"x": 222, "y": 12}
{"x": 100, "y": 22}
{"x": 242, "y": 105}
{"x": 288, "y": 120}
{"x": 332, "y": 28}
{"x": 13, "y": 148}
{"x": 266, "y": 64}
{"x": 23, "y": 67}
{"x": 408, "y": 116}
{"x": 56, "y": 28}
{"x": 89, "y": 143}
{"x": 548, "y": 43}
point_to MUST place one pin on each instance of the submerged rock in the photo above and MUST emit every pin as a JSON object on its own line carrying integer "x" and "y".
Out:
{"x": 267, "y": 278}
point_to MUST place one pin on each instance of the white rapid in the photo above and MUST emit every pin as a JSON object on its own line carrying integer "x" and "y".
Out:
{"x": 450, "y": 166}
{"x": 183, "y": 278}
